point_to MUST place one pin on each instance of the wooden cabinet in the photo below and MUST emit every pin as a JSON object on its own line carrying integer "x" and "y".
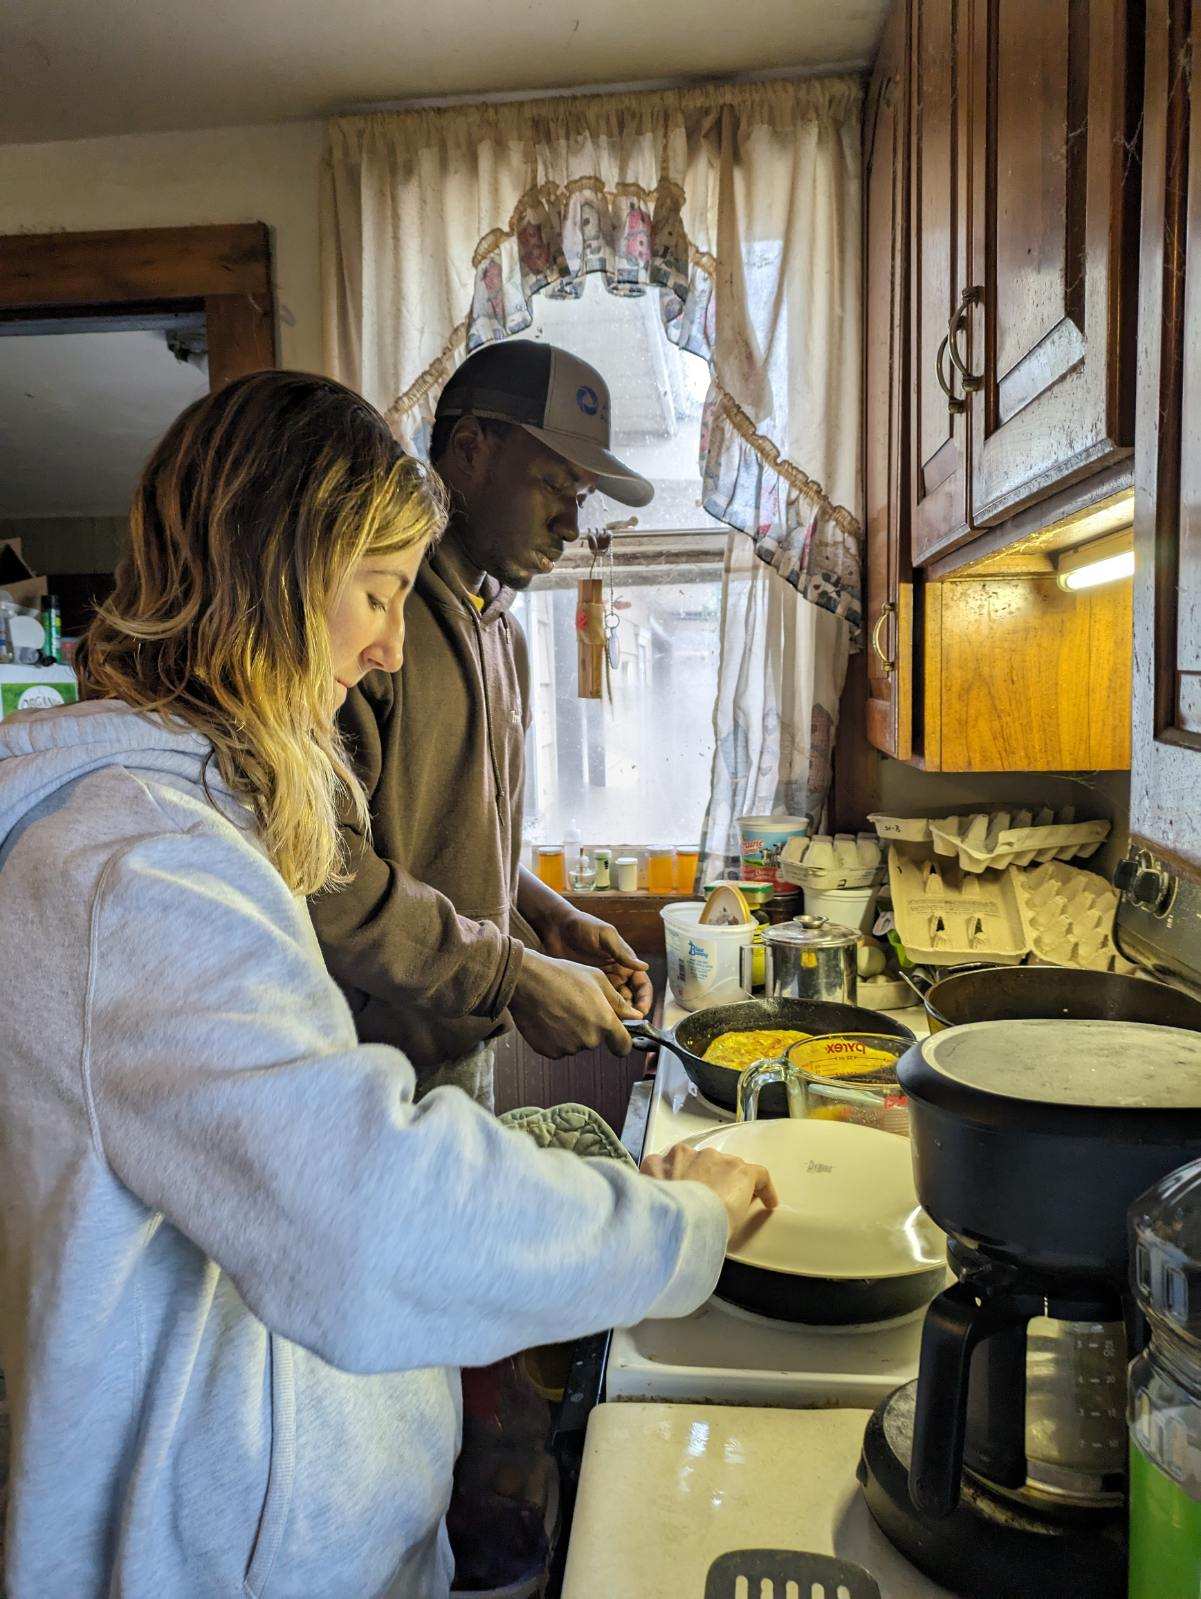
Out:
{"x": 1165, "y": 799}
{"x": 889, "y": 595}
{"x": 1025, "y": 174}
{"x": 1055, "y": 117}
{"x": 939, "y": 81}
{"x": 1001, "y": 162}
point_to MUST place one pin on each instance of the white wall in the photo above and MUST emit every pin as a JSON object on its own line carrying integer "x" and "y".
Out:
{"x": 159, "y": 180}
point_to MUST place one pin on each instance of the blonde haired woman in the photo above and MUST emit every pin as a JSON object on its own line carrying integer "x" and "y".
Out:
{"x": 238, "y": 1265}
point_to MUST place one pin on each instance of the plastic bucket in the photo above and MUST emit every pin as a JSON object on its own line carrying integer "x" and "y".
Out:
{"x": 849, "y": 907}
{"x": 703, "y": 963}
{"x": 763, "y": 838}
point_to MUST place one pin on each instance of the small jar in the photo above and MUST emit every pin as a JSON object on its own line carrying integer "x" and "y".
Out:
{"x": 602, "y": 859}
{"x": 661, "y": 871}
{"x": 625, "y": 871}
{"x": 551, "y": 866}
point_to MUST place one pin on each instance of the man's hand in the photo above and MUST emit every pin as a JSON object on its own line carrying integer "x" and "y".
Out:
{"x": 580, "y": 937}
{"x": 560, "y": 1007}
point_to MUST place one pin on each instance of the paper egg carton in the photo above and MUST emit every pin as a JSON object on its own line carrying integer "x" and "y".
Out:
{"x": 945, "y": 922}
{"x": 1068, "y": 917}
{"x": 825, "y": 862}
{"x": 988, "y": 840}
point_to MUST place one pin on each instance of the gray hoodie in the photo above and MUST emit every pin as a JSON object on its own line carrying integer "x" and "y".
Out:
{"x": 238, "y": 1266}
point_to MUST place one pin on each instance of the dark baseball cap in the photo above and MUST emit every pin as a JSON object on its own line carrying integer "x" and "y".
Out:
{"x": 554, "y": 396}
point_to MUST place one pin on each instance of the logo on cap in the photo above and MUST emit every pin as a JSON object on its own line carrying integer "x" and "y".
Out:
{"x": 588, "y": 400}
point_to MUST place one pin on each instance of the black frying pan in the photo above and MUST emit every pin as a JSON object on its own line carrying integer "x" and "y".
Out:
{"x": 691, "y": 1037}
{"x": 827, "y": 1301}
{"x": 1008, "y": 993}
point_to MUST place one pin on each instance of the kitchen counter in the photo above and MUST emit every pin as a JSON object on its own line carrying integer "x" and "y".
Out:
{"x": 665, "y": 1489}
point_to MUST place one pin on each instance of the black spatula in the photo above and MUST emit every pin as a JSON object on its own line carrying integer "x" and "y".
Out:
{"x": 814, "y": 1576}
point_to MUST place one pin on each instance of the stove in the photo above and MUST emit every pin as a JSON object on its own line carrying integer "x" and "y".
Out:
{"x": 724, "y": 1355}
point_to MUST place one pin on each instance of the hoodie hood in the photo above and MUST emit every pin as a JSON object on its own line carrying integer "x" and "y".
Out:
{"x": 43, "y": 751}
{"x": 441, "y": 585}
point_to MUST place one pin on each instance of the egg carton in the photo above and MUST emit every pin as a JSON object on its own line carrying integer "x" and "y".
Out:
{"x": 945, "y": 922}
{"x": 825, "y": 862}
{"x": 988, "y": 840}
{"x": 1068, "y": 917}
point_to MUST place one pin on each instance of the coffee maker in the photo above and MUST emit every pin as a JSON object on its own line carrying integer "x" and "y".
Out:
{"x": 1002, "y": 1470}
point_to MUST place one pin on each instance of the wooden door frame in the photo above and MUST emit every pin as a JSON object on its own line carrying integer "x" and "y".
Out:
{"x": 224, "y": 270}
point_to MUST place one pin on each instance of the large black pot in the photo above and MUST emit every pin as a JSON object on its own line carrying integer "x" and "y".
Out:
{"x": 1036, "y": 1180}
{"x": 691, "y": 1037}
{"x": 1009, "y": 993}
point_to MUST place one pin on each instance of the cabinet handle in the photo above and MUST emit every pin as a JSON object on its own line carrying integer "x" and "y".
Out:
{"x": 886, "y": 611}
{"x": 970, "y": 297}
{"x": 954, "y": 404}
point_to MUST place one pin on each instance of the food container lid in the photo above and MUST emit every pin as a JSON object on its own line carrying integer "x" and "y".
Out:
{"x": 756, "y": 893}
{"x": 811, "y": 932}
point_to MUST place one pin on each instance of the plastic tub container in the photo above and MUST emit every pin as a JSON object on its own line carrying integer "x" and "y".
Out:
{"x": 704, "y": 964}
{"x": 763, "y": 840}
{"x": 850, "y": 907}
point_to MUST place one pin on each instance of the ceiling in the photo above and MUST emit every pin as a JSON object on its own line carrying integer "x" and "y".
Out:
{"x": 83, "y": 68}
{"x": 79, "y": 414}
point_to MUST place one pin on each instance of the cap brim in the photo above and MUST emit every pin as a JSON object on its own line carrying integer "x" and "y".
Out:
{"x": 613, "y": 477}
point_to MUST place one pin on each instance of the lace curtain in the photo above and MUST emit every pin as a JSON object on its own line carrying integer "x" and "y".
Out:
{"x": 738, "y": 206}
{"x": 780, "y": 676}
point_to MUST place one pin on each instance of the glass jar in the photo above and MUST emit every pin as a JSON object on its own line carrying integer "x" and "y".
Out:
{"x": 552, "y": 867}
{"x": 661, "y": 871}
{"x": 1164, "y": 1410}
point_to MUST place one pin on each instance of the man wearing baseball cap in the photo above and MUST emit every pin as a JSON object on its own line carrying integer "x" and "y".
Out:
{"x": 443, "y": 935}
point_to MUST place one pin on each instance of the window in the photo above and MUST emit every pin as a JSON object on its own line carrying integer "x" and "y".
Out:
{"x": 635, "y": 767}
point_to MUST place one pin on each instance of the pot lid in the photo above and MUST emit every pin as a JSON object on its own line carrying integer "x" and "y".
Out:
{"x": 847, "y": 1208}
{"x": 1097, "y": 1064}
{"x": 810, "y": 932}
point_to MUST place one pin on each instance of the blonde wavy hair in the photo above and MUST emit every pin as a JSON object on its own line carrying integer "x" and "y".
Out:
{"x": 247, "y": 521}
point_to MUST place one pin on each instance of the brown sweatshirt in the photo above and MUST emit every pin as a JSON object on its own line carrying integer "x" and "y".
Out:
{"x": 420, "y": 940}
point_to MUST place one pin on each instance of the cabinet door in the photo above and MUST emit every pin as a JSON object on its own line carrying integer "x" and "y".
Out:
{"x": 1165, "y": 798}
{"x": 889, "y": 581}
{"x": 1055, "y": 115}
{"x": 939, "y": 88}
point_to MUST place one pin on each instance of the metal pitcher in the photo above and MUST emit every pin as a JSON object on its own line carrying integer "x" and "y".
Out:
{"x": 808, "y": 958}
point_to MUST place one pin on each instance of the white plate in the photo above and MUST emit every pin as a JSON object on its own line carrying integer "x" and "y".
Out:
{"x": 847, "y": 1203}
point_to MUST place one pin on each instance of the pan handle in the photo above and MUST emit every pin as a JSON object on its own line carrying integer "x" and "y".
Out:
{"x": 645, "y": 1037}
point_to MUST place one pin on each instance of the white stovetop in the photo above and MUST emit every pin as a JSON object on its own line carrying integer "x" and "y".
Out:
{"x": 722, "y": 1355}
{"x": 665, "y": 1489}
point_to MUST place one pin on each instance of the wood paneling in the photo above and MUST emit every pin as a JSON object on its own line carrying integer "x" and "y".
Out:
{"x": 77, "y": 269}
{"x": 1054, "y": 140}
{"x": 886, "y": 434}
{"x": 241, "y": 335}
{"x": 1022, "y": 676}
{"x": 1111, "y": 647}
{"x": 1166, "y": 754}
{"x": 593, "y": 1078}
{"x": 635, "y": 916}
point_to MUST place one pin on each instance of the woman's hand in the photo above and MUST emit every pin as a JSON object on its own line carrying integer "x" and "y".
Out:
{"x": 736, "y": 1182}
